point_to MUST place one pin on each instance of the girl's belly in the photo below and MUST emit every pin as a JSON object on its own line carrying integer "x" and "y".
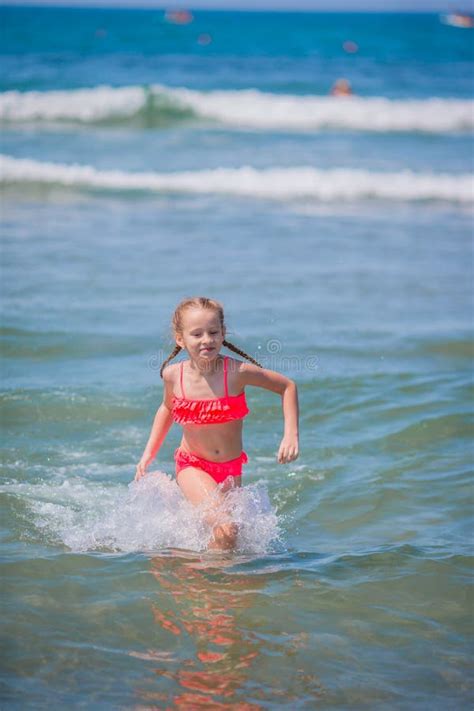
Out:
{"x": 218, "y": 443}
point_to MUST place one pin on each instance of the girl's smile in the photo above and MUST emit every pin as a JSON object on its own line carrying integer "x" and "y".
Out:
{"x": 202, "y": 334}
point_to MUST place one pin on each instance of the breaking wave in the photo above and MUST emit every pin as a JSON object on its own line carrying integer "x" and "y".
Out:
{"x": 249, "y": 108}
{"x": 298, "y": 183}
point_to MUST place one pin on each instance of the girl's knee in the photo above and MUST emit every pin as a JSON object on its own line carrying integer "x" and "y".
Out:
{"x": 225, "y": 534}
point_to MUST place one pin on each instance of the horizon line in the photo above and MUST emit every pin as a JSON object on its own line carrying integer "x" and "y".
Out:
{"x": 363, "y": 8}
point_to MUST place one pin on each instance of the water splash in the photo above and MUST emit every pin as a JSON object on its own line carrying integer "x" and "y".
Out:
{"x": 147, "y": 515}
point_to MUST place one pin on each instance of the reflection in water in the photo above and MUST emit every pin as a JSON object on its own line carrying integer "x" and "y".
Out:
{"x": 214, "y": 652}
{"x": 215, "y": 647}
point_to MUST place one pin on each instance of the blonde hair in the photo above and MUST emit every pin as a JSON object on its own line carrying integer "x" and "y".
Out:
{"x": 200, "y": 302}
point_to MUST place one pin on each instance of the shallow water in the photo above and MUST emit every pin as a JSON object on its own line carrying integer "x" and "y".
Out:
{"x": 340, "y": 242}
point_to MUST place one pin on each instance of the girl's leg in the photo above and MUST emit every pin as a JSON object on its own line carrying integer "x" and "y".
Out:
{"x": 201, "y": 490}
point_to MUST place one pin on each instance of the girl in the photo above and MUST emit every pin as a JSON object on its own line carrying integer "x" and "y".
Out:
{"x": 205, "y": 395}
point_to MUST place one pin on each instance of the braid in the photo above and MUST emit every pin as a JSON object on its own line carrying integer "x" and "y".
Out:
{"x": 239, "y": 352}
{"x": 172, "y": 355}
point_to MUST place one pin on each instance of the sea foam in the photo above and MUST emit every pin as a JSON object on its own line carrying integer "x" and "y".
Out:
{"x": 147, "y": 515}
{"x": 298, "y": 183}
{"x": 247, "y": 108}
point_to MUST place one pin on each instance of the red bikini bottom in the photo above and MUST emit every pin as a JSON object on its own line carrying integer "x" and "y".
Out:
{"x": 218, "y": 470}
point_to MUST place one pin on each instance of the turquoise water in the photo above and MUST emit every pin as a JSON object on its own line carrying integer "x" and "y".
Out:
{"x": 142, "y": 164}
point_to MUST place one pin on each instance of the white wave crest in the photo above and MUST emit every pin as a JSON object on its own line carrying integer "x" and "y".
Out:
{"x": 247, "y": 108}
{"x": 83, "y": 105}
{"x": 255, "y": 109}
{"x": 148, "y": 515}
{"x": 299, "y": 183}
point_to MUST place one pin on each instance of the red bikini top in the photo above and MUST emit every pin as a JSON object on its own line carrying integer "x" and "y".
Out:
{"x": 209, "y": 412}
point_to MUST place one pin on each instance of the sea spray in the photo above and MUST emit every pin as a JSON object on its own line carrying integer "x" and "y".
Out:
{"x": 281, "y": 184}
{"x": 149, "y": 515}
{"x": 247, "y": 108}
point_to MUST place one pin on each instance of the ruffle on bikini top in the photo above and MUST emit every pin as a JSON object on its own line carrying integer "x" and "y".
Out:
{"x": 209, "y": 412}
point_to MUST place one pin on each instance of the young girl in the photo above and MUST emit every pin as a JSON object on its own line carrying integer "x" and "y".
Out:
{"x": 205, "y": 395}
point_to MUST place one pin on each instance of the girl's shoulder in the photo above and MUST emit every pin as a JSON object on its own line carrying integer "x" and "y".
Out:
{"x": 239, "y": 366}
{"x": 234, "y": 364}
{"x": 239, "y": 373}
{"x": 170, "y": 373}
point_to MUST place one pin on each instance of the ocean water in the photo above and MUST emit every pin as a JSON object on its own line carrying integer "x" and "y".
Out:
{"x": 144, "y": 161}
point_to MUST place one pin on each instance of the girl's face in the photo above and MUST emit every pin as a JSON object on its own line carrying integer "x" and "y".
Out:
{"x": 202, "y": 335}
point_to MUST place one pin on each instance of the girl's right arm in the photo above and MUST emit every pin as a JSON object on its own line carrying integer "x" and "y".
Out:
{"x": 161, "y": 425}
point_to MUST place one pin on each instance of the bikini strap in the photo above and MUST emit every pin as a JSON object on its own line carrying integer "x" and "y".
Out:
{"x": 226, "y": 358}
{"x": 181, "y": 380}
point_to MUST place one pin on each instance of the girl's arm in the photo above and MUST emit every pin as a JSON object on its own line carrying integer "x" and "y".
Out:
{"x": 161, "y": 425}
{"x": 270, "y": 380}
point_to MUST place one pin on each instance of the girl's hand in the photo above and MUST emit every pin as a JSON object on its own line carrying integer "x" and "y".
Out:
{"x": 141, "y": 468}
{"x": 289, "y": 450}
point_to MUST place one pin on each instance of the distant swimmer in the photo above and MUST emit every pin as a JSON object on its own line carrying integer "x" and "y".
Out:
{"x": 350, "y": 47}
{"x": 204, "y": 39}
{"x": 341, "y": 87}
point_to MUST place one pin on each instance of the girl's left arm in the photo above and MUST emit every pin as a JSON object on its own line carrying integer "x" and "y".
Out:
{"x": 277, "y": 383}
